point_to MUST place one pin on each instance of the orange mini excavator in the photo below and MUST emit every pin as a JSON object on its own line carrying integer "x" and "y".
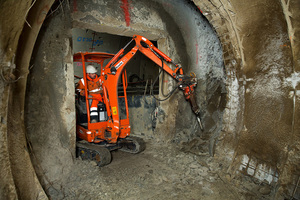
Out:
{"x": 111, "y": 131}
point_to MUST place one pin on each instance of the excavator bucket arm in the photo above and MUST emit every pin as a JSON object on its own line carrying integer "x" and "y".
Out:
{"x": 115, "y": 67}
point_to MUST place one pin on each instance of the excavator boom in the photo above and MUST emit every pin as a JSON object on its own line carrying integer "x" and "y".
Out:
{"x": 115, "y": 67}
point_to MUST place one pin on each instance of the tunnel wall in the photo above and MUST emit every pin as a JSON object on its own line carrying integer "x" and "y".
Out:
{"x": 204, "y": 57}
{"x": 266, "y": 78}
{"x": 49, "y": 108}
{"x": 8, "y": 47}
{"x": 268, "y": 108}
{"x": 18, "y": 178}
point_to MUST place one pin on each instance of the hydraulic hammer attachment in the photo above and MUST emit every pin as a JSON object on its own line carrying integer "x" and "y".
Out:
{"x": 195, "y": 109}
{"x": 188, "y": 84}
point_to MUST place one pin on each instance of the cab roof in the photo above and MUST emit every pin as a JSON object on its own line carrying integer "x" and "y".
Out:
{"x": 97, "y": 57}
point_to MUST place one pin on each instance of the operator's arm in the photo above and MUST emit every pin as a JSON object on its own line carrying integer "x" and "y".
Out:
{"x": 80, "y": 87}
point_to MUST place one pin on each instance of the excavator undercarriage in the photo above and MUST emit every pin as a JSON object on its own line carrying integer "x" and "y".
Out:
{"x": 100, "y": 153}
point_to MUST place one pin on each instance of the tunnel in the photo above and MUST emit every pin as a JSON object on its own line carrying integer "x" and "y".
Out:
{"x": 246, "y": 59}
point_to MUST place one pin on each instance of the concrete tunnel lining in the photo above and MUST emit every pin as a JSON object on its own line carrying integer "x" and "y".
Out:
{"x": 234, "y": 55}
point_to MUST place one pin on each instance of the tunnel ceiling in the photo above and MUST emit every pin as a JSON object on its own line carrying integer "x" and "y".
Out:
{"x": 260, "y": 54}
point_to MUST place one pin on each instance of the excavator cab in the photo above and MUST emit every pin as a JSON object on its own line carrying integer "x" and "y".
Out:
{"x": 94, "y": 139}
{"x": 83, "y": 103}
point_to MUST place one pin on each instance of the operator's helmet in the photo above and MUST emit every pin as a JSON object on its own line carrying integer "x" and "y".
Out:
{"x": 91, "y": 69}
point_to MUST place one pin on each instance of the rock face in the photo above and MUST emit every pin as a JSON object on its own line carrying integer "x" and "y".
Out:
{"x": 245, "y": 54}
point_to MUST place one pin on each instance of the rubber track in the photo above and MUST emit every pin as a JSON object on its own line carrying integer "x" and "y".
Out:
{"x": 139, "y": 142}
{"x": 105, "y": 156}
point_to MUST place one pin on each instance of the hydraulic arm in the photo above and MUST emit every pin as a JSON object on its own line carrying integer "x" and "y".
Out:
{"x": 114, "y": 68}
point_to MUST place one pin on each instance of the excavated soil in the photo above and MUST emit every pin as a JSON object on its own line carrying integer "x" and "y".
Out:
{"x": 160, "y": 172}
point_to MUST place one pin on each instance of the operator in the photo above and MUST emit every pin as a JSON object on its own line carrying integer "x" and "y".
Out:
{"x": 95, "y": 90}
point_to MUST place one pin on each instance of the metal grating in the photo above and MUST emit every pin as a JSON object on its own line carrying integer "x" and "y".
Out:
{"x": 257, "y": 169}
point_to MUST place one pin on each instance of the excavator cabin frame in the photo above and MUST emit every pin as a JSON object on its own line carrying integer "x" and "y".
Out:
{"x": 99, "y": 131}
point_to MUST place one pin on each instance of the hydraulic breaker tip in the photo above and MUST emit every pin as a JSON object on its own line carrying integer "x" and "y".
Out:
{"x": 200, "y": 124}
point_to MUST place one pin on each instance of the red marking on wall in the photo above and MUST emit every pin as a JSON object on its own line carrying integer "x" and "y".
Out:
{"x": 42, "y": 14}
{"x": 200, "y": 9}
{"x": 166, "y": 4}
{"x": 75, "y": 6}
{"x": 125, "y": 7}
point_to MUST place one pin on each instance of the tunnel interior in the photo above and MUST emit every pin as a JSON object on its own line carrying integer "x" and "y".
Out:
{"x": 246, "y": 90}
{"x": 50, "y": 87}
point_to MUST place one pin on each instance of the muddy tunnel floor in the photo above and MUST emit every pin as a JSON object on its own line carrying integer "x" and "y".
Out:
{"x": 160, "y": 172}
